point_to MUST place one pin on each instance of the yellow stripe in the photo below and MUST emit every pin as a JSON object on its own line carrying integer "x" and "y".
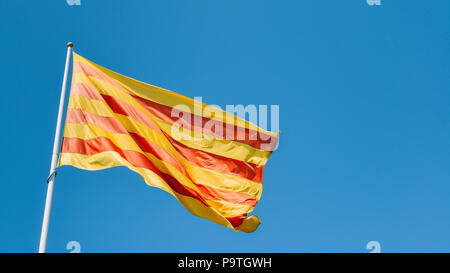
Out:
{"x": 222, "y": 181}
{"x": 97, "y": 107}
{"x": 228, "y": 209}
{"x": 169, "y": 98}
{"x": 226, "y": 148}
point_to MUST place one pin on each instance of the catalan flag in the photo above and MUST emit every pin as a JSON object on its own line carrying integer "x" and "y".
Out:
{"x": 113, "y": 120}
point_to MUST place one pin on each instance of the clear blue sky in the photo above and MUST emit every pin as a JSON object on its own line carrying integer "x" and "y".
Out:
{"x": 364, "y": 95}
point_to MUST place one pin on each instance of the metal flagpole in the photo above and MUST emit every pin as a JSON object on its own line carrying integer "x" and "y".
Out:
{"x": 51, "y": 178}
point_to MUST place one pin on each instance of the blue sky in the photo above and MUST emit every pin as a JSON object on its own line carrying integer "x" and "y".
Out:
{"x": 364, "y": 97}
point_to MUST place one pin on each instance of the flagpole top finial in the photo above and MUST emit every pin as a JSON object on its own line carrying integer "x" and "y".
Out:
{"x": 70, "y": 44}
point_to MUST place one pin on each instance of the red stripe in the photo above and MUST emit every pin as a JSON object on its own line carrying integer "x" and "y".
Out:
{"x": 247, "y": 136}
{"x": 200, "y": 158}
{"x": 237, "y": 220}
{"x": 228, "y": 196}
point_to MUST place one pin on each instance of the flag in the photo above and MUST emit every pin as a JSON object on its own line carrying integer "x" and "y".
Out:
{"x": 175, "y": 143}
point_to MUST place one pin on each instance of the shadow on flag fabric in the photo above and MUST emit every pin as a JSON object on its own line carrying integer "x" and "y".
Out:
{"x": 211, "y": 161}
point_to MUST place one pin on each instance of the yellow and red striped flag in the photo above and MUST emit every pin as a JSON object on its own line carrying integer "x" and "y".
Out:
{"x": 113, "y": 120}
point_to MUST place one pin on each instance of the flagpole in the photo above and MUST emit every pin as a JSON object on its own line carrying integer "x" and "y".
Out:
{"x": 51, "y": 178}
